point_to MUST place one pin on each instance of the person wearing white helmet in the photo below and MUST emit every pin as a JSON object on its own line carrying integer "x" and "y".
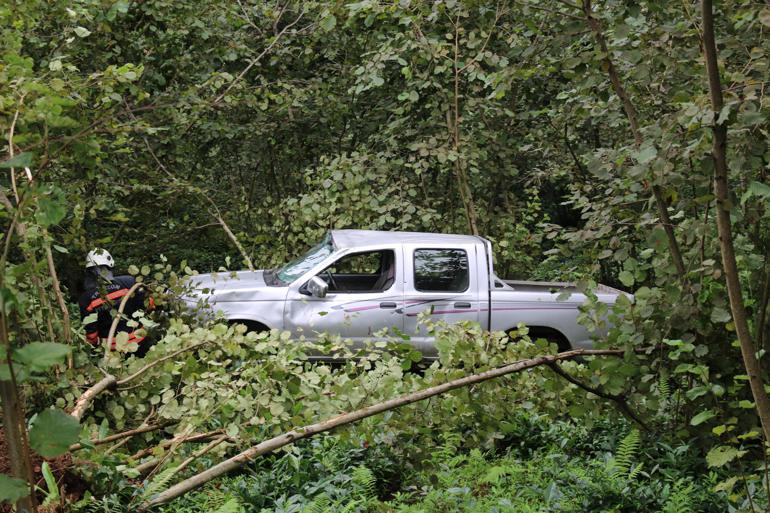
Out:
{"x": 103, "y": 293}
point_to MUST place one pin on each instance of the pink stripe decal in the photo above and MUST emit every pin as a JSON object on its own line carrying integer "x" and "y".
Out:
{"x": 439, "y": 312}
{"x": 361, "y": 308}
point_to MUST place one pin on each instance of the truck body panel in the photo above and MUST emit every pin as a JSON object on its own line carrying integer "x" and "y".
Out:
{"x": 381, "y": 284}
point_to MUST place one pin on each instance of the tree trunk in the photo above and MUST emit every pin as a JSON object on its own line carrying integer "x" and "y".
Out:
{"x": 633, "y": 121}
{"x": 724, "y": 225}
{"x": 462, "y": 178}
{"x": 14, "y": 423}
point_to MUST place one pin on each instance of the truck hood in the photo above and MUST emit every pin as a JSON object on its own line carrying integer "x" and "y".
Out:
{"x": 238, "y": 286}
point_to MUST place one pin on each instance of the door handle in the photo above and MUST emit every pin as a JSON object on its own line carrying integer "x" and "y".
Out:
{"x": 462, "y": 304}
{"x": 388, "y": 304}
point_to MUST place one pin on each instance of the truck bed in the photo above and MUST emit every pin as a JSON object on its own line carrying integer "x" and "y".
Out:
{"x": 555, "y": 286}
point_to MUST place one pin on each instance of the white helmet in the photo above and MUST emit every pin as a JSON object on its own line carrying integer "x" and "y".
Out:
{"x": 97, "y": 257}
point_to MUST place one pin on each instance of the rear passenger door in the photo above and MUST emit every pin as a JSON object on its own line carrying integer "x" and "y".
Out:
{"x": 440, "y": 283}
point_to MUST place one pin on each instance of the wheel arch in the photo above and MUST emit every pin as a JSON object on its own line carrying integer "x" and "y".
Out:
{"x": 251, "y": 324}
{"x": 548, "y": 333}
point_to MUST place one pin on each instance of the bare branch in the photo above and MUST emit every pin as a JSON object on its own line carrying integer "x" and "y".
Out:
{"x": 257, "y": 59}
{"x": 125, "y": 434}
{"x": 65, "y": 313}
{"x": 121, "y": 307}
{"x": 197, "y": 437}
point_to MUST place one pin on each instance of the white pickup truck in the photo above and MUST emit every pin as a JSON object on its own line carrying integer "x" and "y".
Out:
{"x": 357, "y": 283}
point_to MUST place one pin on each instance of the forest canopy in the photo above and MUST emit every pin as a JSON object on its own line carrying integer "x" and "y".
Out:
{"x": 612, "y": 142}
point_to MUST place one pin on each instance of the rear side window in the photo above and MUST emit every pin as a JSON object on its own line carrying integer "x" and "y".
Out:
{"x": 440, "y": 270}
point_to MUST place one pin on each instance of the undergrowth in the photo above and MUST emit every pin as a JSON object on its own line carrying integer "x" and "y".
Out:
{"x": 540, "y": 466}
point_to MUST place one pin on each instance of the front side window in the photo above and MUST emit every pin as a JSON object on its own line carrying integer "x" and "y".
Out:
{"x": 371, "y": 271}
{"x": 441, "y": 270}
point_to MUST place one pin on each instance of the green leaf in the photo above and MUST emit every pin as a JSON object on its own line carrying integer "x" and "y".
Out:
{"x": 702, "y": 417}
{"x": 756, "y": 190}
{"x": 12, "y": 489}
{"x": 626, "y": 278}
{"x": 721, "y": 455}
{"x": 53, "y": 432}
{"x": 82, "y": 32}
{"x": 20, "y": 160}
{"x": 328, "y": 23}
{"x": 764, "y": 17}
{"x": 39, "y": 356}
{"x": 646, "y": 155}
{"x": 720, "y": 315}
{"x": 50, "y": 211}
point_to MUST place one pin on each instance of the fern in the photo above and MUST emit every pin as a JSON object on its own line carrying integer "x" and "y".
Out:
{"x": 664, "y": 388}
{"x": 446, "y": 454}
{"x": 680, "y": 500}
{"x": 365, "y": 481}
{"x": 321, "y": 504}
{"x": 158, "y": 484}
{"x": 620, "y": 465}
{"x": 107, "y": 504}
{"x": 231, "y": 506}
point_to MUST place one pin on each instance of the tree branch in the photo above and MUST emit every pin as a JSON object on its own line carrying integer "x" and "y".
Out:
{"x": 84, "y": 401}
{"x": 121, "y": 308}
{"x": 197, "y": 437}
{"x": 257, "y": 59}
{"x": 124, "y": 434}
{"x": 619, "y": 400}
{"x": 152, "y": 364}
{"x": 110, "y": 381}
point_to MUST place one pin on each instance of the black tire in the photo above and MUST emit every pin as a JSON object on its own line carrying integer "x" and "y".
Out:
{"x": 254, "y": 326}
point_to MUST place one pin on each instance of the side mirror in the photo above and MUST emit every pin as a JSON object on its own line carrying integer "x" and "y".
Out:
{"x": 317, "y": 287}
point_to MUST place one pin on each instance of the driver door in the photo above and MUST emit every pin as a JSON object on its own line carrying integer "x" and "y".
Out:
{"x": 366, "y": 293}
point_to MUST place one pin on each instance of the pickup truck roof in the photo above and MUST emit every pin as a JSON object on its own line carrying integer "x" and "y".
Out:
{"x": 344, "y": 239}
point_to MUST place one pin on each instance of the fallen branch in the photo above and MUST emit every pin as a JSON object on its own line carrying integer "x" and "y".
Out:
{"x": 124, "y": 434}
{"x": 292, "y": 436}
{"x": 109, "y": 381}
{"x": 154, "y": 462}
{"x": 198, "y": 437}
{"x": 152, "y": 364}
{"x": 84, "y": 401}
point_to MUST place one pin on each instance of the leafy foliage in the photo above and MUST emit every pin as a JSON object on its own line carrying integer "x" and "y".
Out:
{"x": 149, "y": 126}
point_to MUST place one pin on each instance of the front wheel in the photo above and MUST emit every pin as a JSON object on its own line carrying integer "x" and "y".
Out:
{"x": 551, "y": 335}
{"x": 254, "y": 326}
